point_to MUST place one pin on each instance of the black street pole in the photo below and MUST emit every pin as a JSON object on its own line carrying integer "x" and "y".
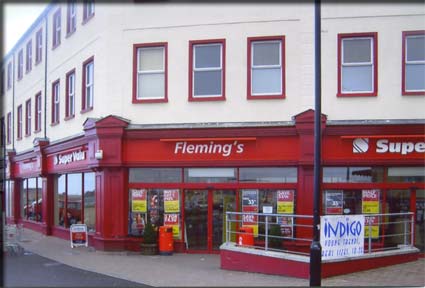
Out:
{"x": 315, "y": 248}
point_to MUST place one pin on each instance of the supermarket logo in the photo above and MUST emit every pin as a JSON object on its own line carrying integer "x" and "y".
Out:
{"x": 361, "y": 145}
{"x": 64, "y": 159}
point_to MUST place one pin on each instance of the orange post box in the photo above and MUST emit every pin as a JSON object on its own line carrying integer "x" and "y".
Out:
{"x": 246, "y": 236}
{"x": 166, "y": 241}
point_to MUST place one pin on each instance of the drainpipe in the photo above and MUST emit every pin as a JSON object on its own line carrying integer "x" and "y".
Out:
{"x": 45, "y": 77}
{"x": 13, "y": 101}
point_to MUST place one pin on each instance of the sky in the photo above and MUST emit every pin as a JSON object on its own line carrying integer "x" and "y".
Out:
{"x": 18, "y": 17}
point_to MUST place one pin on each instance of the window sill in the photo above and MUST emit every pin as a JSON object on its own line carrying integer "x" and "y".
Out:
{"x": 265, "y": 97}
{"x": 203, "y": 99}
{"x": 27, "y": 135}
{"x": 37, "y": 62}
{"x": 37, "y": 131}
{"x": 86, "y": 110}
{"x": 87, "y": 19}
{"x": 54, "y": 124}
{"x": 70, "y": 33}
{"x": 343, "y": 95}
{"x": 19, "y": 139}
{"x": 416, "y": 93}
{"x": 69, "y": 117}
{"x": 139, "y": 101}
{"x": 56, "y": 46}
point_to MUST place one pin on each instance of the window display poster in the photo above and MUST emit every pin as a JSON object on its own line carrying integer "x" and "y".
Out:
{"x": 173, "y": 221}
{"x": 250, "y": 205}
{"x": 334, "y": 202}
{"x": 286, "y": 225}
{"x": 373, "y": 222}
{"x": 342, "y": 236}
{"x": 370, "y": 201}
{"x": 285, "y": 201}
{"x": 171, "y": 201}
{"x": 139, "y": 200}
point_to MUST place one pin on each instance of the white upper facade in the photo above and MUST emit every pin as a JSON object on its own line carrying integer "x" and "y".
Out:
{"x": 175, "y": 63}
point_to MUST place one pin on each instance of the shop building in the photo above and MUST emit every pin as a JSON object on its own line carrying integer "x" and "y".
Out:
{"x": 204, "y": 104}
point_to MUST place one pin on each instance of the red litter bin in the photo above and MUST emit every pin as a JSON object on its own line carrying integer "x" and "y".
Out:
{"x": 166, "y": 242}
{"x": 246, "y": 236}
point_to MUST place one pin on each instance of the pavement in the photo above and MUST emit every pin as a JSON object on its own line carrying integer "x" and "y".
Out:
{"x": 200, "y": 270}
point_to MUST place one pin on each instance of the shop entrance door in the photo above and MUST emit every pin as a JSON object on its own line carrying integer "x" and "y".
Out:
{"x": 204, "y": 218}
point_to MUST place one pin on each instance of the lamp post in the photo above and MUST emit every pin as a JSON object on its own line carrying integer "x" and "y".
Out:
{"x": 315, "y": 248}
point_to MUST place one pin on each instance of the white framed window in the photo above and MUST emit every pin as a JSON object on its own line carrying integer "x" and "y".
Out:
{"x": 151, "y": 73}
{"x": 20, "y": 64}
{"x": 266, "y": 67}
{"x": 88, "y": 84}
{"x": 207, "y": 70}
{"x": 29, "y": 57}
{"x": 56, "y": 28}
{"x": 38, "y": 112}
{"x": 71, "y": 17}
{"x": 414, "y": 63}
{"x": 70, "y": 94}
{"x": 28, "y": 118}
{"x": 357, "y": 69}
{"x": 55, "y": 102}
{"x": 19, "y": 120}
{"x": 38, "y": 46}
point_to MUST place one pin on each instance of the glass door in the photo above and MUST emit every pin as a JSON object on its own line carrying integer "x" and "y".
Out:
{"x": 196, "y": 219}
{"x": 204, "y": 217}
{"x": 223, "y": 201}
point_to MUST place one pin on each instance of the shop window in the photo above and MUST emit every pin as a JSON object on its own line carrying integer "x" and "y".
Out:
{"x": 70, "y": 95}
{"x": 406, "y": 174}
{"x": 210, "y": 175}
{"x": 268, "y": 175}
{"x": 352, "y": 174}
{"x": 150, "y": 75}
{"x": 72, "y": 191}
{"x": 413, "y": 63}
{"x": 88, "y": 85}
{"x": 31, "y": 199}
{"x": 28, "y": 62}
{"x": 20, "y": 64}
{"x": 56, "y": 30}
{"x": 357, "y": 69}
{"x": 39, "y": 46}
{"x": 71, "y": 17}
{"x": 266, "y": 67}
{"x": 206, "y": 70}
{"x": 155, "y": 175}
{"x": 9, "y": 198}
{"x": 161, "y": 206}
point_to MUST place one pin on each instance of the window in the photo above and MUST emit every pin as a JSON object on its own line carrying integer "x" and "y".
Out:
{"x": 150, "y": 72}
{"x": 266, "y": 77}
{"x": 9, "y": 75}
{"x": 71, "y": 17}
{"x": 3, "y": 83}
{"x": 20, "y": 64}
{"x": 9, "y": 199}
{"x": 88, "y": 10}
{"x": 55, "y": 102}
{"x": 28, "y": 118}
{"x": 32, "y": 199}
{"x": 38, "y": 46}
{"x": 75, "y": 200}
{"x": 357, "y": 69}
{"x": 19, "y": 126}
{"x": 206, "y": 70}
{"x": 70, "y": 94}
{"x": 38, "y": 112}
{"x": 9, "y": 128}
{"x": 413, "y": 69}
{"x": 2, "y": 133}
{"x": 88, "y": 85}
{"x": 28, "y": 63}
{"x": 56, "y": 28}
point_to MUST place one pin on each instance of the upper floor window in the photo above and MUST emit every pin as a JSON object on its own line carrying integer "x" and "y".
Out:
{"x": 413, "y": 69}
{"x": 206, "y": 68}
{"x": 38, "y": 46}
{"x": 71, "y": 17}
{"x": 20, "y": 64}
{"x": 56, "y": 28}
{"x": 9, "y": 75}
{"x": 88, "y": 10}
{"x": 70, "y": 94}
{"x": 55, "y": 102}
{"x": 2, "y": 132}
{"x": 19, "y": 119}
{"x": 38, "y": 112}
{"x": 2, "y": 84}
{"x": 28, "y": 117}
{"x": 150, "y": 72}
{"x": 357, "y": 64}
{"x": 9, "y": 128}
{"x": 88, "y": 85}
{"x": 28, "y": 63}
{"x": 266, "y": 67}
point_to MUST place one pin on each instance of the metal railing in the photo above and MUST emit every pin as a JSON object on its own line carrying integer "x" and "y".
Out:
{"x": 292, "y": 233}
